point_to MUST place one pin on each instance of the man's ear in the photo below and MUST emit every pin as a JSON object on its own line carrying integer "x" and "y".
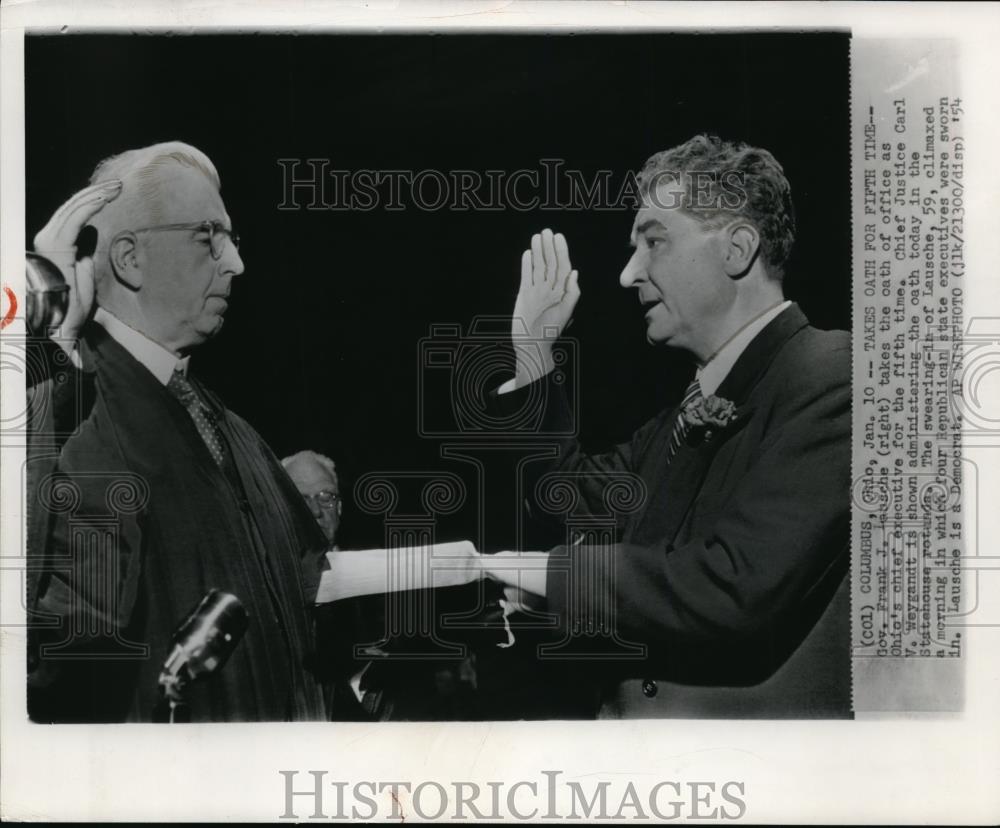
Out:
{"x": 125, "y": 260}
{"x": 742, "y": 247}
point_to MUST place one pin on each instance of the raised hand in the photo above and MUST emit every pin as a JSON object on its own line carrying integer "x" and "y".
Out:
{"x": 545, "y": 303}
{"x": 56, "y": 241}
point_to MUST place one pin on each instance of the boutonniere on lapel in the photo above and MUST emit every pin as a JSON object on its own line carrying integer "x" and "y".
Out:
{"x": 705, "y": 417}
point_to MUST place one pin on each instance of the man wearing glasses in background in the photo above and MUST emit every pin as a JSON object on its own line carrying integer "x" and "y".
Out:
{"x": 315, "y": 476}
{"x": 161, "y": 493}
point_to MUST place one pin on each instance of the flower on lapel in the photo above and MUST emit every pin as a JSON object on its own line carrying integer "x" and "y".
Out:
{"x": 705, "y": 414}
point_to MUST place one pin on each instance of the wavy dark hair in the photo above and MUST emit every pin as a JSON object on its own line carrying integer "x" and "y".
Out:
{"x": 736, "y": 180}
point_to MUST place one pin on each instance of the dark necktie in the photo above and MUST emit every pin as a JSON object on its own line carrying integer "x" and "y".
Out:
{"x": 204, "y": 418}
{"x": 681, "y": 426}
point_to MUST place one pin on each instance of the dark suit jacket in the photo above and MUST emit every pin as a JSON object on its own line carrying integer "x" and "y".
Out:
{"x": 132, "y": 522}
{"x": 731, "y": 575}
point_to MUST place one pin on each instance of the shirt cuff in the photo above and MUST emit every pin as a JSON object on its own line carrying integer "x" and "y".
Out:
{"x": 513, "y": 385}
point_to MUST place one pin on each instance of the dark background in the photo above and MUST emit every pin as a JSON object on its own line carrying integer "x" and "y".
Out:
{"x": 320, "y": 346}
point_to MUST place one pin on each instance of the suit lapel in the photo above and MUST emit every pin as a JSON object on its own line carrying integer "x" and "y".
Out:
{"x": 145, "y": 412}
{"x": 681, "y": 481}
{"x": 685, "y": 474}
{"x": 756, "y": 359}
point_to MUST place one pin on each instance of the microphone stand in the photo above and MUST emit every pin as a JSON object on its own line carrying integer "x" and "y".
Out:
{"x": 202, "y": 645}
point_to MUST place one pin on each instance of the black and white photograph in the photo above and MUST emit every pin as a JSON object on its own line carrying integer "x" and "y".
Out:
{"x": 522, "y": 389}
{"x": 341, "y": 222}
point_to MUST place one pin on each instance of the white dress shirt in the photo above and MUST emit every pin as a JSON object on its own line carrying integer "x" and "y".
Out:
{"x": 160, "y": 362}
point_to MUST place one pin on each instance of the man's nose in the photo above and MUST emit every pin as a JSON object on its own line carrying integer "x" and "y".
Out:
{"x": 634, "y": 271}
{"x": 238, "y": 267}
{"x": 232, "y": 263}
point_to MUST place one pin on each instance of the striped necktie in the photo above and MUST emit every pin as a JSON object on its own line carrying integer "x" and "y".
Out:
{"x": 204, "y": 418}
{"x": 692, "y": 395}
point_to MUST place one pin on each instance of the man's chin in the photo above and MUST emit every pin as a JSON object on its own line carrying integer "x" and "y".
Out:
{"x": 659, "y": 326}
{"x": 207, "y": 328}
{"x": 656, "y": 337}
{"x": 214, "y": 326}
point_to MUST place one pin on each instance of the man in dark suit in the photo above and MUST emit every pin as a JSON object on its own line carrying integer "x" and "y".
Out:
{"x": 729, "y": 576}
{"x": 160, "y": 493}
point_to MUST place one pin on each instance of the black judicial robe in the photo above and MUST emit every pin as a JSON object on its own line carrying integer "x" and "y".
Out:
{"x": 131, "y": 524}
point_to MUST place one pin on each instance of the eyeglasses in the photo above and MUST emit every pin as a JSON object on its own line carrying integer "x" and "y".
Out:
{"x": 217, "y": 232}
{"x": 325, "y": 498}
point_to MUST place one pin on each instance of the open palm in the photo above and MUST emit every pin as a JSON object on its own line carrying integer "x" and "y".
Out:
{"x": 545, "y": 302}
{"x": 548, "y": 291}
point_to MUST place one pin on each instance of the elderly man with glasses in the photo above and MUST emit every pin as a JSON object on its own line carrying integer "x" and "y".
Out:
{"x": 161, "y": 493}
{"x": 315, "y": 476}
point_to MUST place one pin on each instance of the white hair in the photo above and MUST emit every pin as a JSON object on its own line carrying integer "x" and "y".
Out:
{"x": 143, "y": 166}
{"x": 142, "y": 173}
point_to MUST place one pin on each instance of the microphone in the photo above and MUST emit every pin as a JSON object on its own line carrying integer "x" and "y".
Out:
{"x": 203, "y": 643}
{"x": 47, "y": 295}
